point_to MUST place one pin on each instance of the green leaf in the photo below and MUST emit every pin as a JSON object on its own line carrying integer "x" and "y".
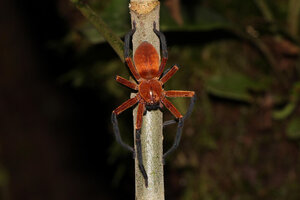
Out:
{"x": 293, "y": 129}
{"x": 233, "y": 85}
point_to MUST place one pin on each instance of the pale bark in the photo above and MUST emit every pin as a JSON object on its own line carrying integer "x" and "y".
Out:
{"x": 144, "y": 13}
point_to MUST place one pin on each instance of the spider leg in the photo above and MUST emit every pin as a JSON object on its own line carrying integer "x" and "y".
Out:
{"x": 177, "y": 139}
{"x": 192, "y": 94}
{"x": 189, "y": 111}
{"x": 139, "y": 119}
{"x": 126, "y": 53}
{"x": 169, "y": 74}
{"x": 171, "y": 108}
{"x": 127, "y": 83}
{"x": 166, "y": 71}
{"x": 127, "y": 104}
{"x": 177, "y": 114}
{"x": 132, "y": 68}
{"x": 127, "y": 40}
{"x": 179, "y": 93}
{"x": 163, "y": 47}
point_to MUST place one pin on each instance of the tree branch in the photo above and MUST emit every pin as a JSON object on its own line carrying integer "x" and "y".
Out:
{"x": 144, "y": 13}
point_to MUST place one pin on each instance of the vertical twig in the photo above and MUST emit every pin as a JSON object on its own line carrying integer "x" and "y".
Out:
{"x": 144, "y": 13}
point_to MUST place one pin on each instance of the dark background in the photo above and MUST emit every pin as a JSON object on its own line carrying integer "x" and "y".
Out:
{"x": 57, "y": 92}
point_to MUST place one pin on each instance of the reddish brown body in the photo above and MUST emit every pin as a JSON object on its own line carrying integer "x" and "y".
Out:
{"x": 147, "y": 71}
{"x": 146, "y": 60}
{"x": 150, "y": 93}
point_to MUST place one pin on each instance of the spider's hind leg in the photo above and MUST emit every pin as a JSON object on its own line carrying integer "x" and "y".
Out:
{"x": 128, "y": 60}
{"x": 162, "y": 41}
{"x": 164, "y": 49}
{"x": 140, "y": 155}
{"x": 139, "y": 119}
{"x": 127, "y": 40}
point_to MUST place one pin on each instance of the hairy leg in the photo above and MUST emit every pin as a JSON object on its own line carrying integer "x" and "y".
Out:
{"x": 127, "y": 40}
{"x": 187, "y": 114}
{"x": 163, "y": 48}
{"x": 180, "y": 120}
{"x": 139, "y": 119}
{"x": 171, "y": 108}
{"x": 179, "y": 93}
{"x": 177, "y": 139}
{"x": 126, "y": 53}
{"x": 127, "y": 83}
{"x": 166, "y": 71}
{"x": 169, "y": 74}
{"x": 127, "y": 104}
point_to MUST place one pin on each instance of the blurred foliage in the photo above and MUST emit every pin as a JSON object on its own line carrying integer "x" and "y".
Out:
{"x": 293, "y": 129}
{"x": 241, "y": 58}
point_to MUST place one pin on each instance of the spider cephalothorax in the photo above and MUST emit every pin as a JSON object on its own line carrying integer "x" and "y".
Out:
{"x": 150, "y": 93}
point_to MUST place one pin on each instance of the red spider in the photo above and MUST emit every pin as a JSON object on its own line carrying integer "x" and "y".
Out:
{"x": 150, "y": 93}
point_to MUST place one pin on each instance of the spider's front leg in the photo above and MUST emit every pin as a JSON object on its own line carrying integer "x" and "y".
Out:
{"x": 139, "y": 120}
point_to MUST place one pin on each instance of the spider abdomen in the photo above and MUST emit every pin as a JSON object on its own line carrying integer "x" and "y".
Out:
{"x": 151, "y": 91}
{"x": 147, "y": 71}
{"x": 146, "y": 60}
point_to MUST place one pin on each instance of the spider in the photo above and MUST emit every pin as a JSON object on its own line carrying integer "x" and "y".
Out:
{"x": 150, "y": 79}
